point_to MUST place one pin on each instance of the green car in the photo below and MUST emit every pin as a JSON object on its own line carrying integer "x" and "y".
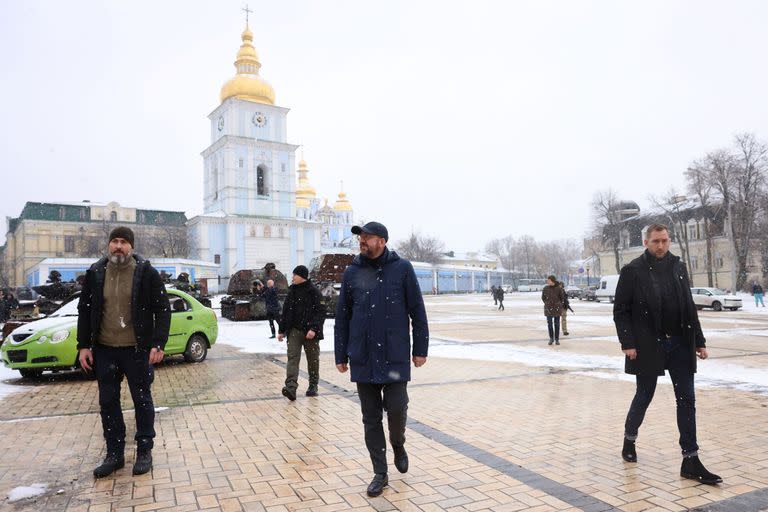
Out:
{"x": 51, "y": 343}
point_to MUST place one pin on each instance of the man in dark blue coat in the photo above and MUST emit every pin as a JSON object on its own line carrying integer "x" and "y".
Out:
{"x": 379, "y": 298}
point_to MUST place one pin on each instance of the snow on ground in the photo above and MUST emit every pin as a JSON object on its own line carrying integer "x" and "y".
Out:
{"x": 711, "y": 373}
{"x": 20, "y": 493}
{"x": 5, "y": 374}
{"x": 253, "y": 337}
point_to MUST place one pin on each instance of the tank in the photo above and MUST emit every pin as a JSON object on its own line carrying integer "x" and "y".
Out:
{"x": 244, "y": 300}
{"x": 326, "y": 272}
{"x": 54, "y": 292}
{"x": 182, "y": 282}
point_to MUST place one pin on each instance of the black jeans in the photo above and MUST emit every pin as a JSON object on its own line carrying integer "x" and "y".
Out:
{"x": 554, "y": 331}
{"x": 110, "y": 364}
{"x": 272, "y": 317}
{"x": 678, "y": 363}
{"x": 501, "y": 304}
{"x": 374, "y": 399}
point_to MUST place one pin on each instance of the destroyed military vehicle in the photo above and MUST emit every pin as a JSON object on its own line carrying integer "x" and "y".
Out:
{"x": 244, "y": 300}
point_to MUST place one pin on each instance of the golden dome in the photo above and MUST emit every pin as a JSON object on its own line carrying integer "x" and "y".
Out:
{"x": 304, "y": 191}
{"x": 342, "y": 204}
{"x": 247, "y": 84}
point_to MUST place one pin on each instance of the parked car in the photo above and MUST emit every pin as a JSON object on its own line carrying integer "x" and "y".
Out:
{"x": 573, "y": 292}
{"x": 51, "y": 343}
{"x": 588, "y": 293}
{"x": 606, "y": 290}
{"x": 715, "y": 298}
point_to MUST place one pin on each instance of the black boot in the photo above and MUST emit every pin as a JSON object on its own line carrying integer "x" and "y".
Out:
{"x": 290, "y": 394}
{"x": 312, "y": 390}
{"x": 693, "y": 468}
{"x": 401, "y": 459}
{"x": 551, "y": 341}
{"x": 112, "y": 462}
{"x": 557, "y": 342}
{"x": 143, "y": 462}
{"x": 377, "y": 485}
{"x": 272, "y": 336}
{"x": 628, "y": 452}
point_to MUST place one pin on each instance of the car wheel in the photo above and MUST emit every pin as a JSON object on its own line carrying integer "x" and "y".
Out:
{"x": 197, "y": 349}
{"x": 717, "y": 306}
{"x": 30, "y": 373}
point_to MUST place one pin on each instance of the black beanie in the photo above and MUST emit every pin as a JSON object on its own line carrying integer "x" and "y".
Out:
{"x": 122, "y": 232}
{"x": 301, "y": 271}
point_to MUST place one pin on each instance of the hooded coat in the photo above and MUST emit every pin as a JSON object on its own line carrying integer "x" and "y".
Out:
{"x": 378, "y": 301}
{"x": 637, "y": 313}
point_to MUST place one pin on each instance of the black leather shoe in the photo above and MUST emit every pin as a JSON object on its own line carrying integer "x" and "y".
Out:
{"x": 290, "y": 394}
{"x": 111, "y": 464}
{"x": 401, "y": 459}
{"x": 565, "y": 333}
{"x": 551, "y": 342}
{"x": 143, "y": 462}
{"x": 377, "y": 485}
{"x": 312, "y": 390}
{"x": 272, "y": 336}
{"x": 693, "y": 468}
{"x": 628, "y": 452}
{"x": 557, "y": 342}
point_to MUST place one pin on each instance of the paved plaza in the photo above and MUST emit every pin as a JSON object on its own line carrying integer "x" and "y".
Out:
{"x": 498, "y": 421}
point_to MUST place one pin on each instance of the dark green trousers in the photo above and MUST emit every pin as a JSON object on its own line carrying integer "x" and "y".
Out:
{"x": 296, "y": 340}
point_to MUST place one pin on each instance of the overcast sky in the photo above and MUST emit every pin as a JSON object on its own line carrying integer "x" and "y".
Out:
{"x": 464, "y": 120}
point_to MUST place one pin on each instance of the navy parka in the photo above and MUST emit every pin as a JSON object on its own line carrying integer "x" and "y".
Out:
{"x": 378, "y": 302}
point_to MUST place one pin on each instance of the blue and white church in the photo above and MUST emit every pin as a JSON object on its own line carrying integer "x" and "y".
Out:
{"x": 255, "y": 211}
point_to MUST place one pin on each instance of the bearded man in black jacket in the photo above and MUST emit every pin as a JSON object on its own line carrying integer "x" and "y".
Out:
{"x": 658, "y": 327}
{"x": 302, "y": 320}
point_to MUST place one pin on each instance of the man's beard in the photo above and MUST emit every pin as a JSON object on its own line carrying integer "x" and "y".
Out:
{"x": 118, "y": 258}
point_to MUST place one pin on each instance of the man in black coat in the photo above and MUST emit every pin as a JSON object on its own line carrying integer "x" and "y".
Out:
{"x": 379, "y": 300}
{"x": 658, "y": 327}
{"x": 122, "y": 328}
{"x": 302, "y": 320}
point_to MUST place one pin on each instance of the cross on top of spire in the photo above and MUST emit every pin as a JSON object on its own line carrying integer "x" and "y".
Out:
{"x": 247, "y": 12}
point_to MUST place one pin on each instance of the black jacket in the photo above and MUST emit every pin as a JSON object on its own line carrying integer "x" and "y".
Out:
{"x": 150, "y": 309}
{"x": 757, "y": 289}
{"x": 270, "y": 300}
{"x": 637, "y": 315}
{"x": 303, "y": 310}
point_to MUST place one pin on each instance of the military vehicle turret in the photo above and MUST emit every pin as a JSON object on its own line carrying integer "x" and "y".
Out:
{"x": 244, "y": 300}
{"x": 182, "y": 282}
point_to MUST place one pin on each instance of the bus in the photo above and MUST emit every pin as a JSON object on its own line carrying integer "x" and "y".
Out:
{"x": 531, "y": 285}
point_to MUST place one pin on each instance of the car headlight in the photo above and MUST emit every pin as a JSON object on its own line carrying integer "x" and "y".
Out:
{"x": 60, "y": 336}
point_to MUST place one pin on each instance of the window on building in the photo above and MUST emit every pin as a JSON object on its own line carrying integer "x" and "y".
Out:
{"x": 83, "y": 212}
{"x": 267, "y": 231}
{"x": 215, "y": 184}
{"x": 261, "y": 188}
{"x": 69, "y": 243}
{"x": 217, "y": 259}
{"x": 240, "y": 163}
{"x": 160, "y": 218}
{"x": 694, "y": 263}
{"x": 62, "y": 213}
{"x": 719, "y": 261}
{"x": 113, "y": 216}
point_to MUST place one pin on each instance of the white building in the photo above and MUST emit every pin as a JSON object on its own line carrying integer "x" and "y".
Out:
{"x": 254, "y": 213}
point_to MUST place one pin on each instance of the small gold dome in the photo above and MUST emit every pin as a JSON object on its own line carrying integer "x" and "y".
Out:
{"x": 247, "y": 84}
{"x": 304, "y": 191}
{"x": 342, "y": 204}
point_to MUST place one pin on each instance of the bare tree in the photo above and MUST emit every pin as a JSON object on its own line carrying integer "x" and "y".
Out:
{"x": 678, "y": 211}
{"x": 422, "y": 248}
{"x": 699, "y": 185}
{"x": 607, "y": 223}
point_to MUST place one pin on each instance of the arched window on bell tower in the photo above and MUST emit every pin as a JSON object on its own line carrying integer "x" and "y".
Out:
{"x": 261, "y": 181}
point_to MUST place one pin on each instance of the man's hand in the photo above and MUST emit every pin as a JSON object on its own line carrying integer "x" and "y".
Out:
{"x": 310, "y": 335}
{"x": 86, "y": 359}
{"x": 342, "y": 367}
{"x": 419, "y": 361}
{"x": 280, "y": 337}
{"x": 702, "y": 352}
{"x": 631, "y": 353}
{"x": 155, "y": 355}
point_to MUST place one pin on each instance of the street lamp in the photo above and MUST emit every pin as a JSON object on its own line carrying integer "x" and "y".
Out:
{"x": 587, "y": 278}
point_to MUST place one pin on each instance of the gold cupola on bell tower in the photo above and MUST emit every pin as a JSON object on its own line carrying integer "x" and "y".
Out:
{"x": 247, "y": 84}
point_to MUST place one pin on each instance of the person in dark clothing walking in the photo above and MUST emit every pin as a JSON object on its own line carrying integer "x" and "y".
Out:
{"x": 553, "y": 297}
{"x": 658, "y": 327}
{"x": 757, "y": 292}
{"x": 122, "y": 328}
{"x": 302, "y": 321}
{"x": 379, "y": 298}
{"x": 272, "y": 305}
{"x": 500, "y": 297}
{"x": 494, "y": 294}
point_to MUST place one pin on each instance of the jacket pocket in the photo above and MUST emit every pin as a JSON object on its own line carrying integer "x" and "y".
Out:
{"x": 398, "y": 347}
{"x": 357, "y": 350}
